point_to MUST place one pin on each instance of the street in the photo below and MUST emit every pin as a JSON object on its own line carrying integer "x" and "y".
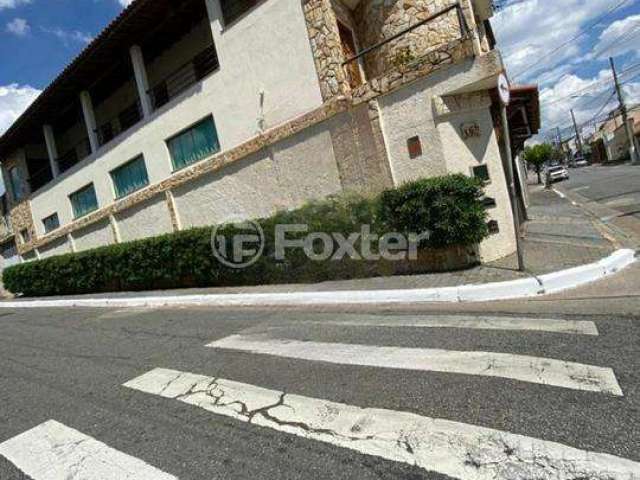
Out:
{"x": 508, "y": 390}
{"x": 616, "y": 187}
{"x": 69, "y": 366}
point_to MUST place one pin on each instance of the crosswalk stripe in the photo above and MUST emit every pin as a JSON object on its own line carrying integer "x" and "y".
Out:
{"x": 543, "y": 371}
{"x": 53, "y": 451}
{"x": 462, "y": 451}
{"x": 548, "y": 325}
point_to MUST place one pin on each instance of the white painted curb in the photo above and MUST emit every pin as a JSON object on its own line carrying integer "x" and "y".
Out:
{"x": 524, "y": 288}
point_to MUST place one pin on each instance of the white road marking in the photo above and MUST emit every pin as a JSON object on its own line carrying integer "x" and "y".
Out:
{"x": 475, "y": 322}
{"x": 462, "y": 451}
{"x": 53, "y": 451}
{"x": 504, "y": 365}
{"x": 559, "y": 193}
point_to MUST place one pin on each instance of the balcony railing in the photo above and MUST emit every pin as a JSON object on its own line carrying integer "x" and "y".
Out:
{"x": 74, "y": 155}
{"x": 188, "y": 74}
{"x": 408, "y": 56}
{"x": 126, "y": 119}
{"x": 40, "y": 178}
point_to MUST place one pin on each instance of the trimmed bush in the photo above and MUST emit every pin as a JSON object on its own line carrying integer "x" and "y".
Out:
{"x": 449, "y": 207}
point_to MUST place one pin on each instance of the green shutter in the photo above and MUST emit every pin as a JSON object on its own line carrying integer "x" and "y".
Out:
{"x": 84, "y": 201}
{"x": 51, "y": 223}
{"x": 198, "y": 142}
{"x": 130, "y": 177}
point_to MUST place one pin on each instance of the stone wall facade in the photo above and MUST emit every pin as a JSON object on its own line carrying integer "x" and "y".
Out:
{"x": 378, "y": 20}
{"x": 22, "y": 220}
{"x": 322, "y": 26}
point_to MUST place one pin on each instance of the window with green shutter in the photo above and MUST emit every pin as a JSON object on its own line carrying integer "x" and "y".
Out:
{"x": 51, "y": 223}
{"x": 194, "y": 144}
{"x": 130, "y": 177}
{"x": 84, "y": 201}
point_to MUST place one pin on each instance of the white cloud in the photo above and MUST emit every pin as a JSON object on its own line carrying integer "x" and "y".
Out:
{"x": 619, "y": 38}
{"x": 19, "y": 27}
{"x": 528, "y": 31}
{"x": 13, "y": 3}
{"x": 14, "y": 99}
{"x": 69, "y": 36}
{"x": 125, "y": 3}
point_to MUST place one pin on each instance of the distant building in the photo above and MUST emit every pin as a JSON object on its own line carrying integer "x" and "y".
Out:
{"x": 184, "y": 113}
{"x": 609, "y": 143}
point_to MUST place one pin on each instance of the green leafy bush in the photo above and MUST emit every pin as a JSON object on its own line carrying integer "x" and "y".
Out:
{"x": 449, "y": 207}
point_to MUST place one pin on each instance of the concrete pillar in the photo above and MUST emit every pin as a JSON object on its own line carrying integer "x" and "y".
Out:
{"x": 215, "y": 18}
{"x": 52, "y": 149}
{"x": 173, "y": 211}
{"x": 115, "y": 229}
{"x": 89, "y": 120}
{"x": 142, "y": 82}
{"x": 72, "y": 243}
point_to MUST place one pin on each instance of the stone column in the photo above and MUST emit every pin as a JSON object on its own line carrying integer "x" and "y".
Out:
{"x": 52, "y": 149}
{"x": 322, "y": 27}
{"x": 89, "y": 120}
{"x": 142, "y": 82}
{"x": 470, "y": 16}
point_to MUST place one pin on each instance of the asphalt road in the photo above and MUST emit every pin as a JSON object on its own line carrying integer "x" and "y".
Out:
{"x": 69, "y": 366}
{"x": 616, "y": 187}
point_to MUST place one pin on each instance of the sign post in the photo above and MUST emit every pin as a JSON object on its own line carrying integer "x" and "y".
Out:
{"x": 504, "y": 91}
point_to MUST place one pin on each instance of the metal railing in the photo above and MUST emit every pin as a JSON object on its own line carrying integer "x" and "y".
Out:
{"x": 40, "y": 178}
{"x": 74, "y": 155}
{"x": 187, "y": 75}
{"x": 462, "y": 22}
{"x": 122, "y": 122}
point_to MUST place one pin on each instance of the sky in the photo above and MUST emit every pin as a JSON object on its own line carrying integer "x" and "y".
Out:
{"x": 563, "y": 45}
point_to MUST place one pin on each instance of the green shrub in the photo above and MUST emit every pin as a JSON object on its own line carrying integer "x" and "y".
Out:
{"x": 449, "y": 207}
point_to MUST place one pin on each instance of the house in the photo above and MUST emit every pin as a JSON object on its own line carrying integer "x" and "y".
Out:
{"x": 609, "y": 143}
{"x": 188, "y": 113}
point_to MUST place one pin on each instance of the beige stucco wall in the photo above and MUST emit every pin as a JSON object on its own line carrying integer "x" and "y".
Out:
{"x": 58, "y": 247}
{"x": 284, "y": 176}
{"x": 419, "y": 110}
{"x": 145, "y": 220}
{"x": 97, "y": 235}
{"x": 254, "y": 58}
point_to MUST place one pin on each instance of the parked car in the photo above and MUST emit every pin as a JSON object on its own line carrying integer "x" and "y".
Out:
{"x": 558, "y": 173}
{"x": 582, "y": 163}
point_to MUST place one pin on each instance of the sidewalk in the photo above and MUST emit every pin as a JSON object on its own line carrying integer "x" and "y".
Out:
{"x": 558, "y": 236}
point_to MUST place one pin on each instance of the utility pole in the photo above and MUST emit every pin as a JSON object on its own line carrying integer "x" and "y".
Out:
{"x": 625, "y": 117}
{"x": 578, "y": 138}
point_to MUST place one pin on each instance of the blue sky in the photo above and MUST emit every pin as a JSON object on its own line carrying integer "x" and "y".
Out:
{"x": 535, "y": 37}
{"x": 39, "y": 37}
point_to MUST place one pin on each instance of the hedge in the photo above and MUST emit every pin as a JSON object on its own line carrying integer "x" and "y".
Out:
{"x": 449, "y": 207}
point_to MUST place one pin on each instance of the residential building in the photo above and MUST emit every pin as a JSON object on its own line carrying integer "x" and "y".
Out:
{"x": 188, "y": 113}
{"x": 609, "y": 143}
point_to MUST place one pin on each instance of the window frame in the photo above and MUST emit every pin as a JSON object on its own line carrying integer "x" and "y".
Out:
{"x": 167, "y": 142}
{"x": 83, "y": 214}
{"x": 44, "y": 222}
{"x": 113, "y": 172}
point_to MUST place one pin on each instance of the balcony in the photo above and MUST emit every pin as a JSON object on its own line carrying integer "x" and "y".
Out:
{"x": 119, "y": 124}
{"x": 184, "y": 77}
{"x": 74, "y": 155}
{"x": 400, "y": 47}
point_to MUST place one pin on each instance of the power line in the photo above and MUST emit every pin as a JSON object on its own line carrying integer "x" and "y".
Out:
{"x": 617, "y": 41}
{"x": 590, "y": 87}
{"x": 582, "y": 32}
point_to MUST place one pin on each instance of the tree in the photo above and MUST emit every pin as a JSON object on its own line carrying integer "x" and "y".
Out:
{"x": 537, "y": 156}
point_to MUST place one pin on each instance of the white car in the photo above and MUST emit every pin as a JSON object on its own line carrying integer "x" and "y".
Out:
{"x": 557, "y": 174}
